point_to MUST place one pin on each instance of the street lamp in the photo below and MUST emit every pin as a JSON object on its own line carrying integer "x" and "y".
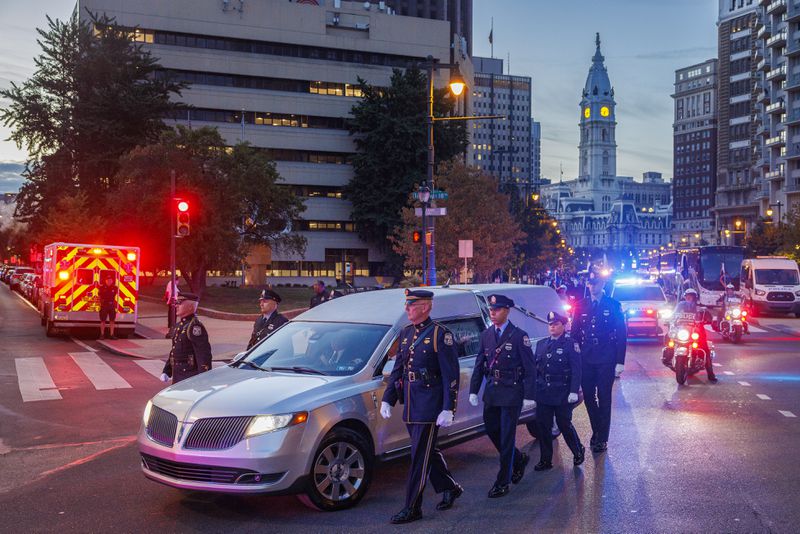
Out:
{"x": 778, "y": 205}
{"x": 424, "y": 194}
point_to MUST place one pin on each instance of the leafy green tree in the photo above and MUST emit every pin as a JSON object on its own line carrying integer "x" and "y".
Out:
{"x": 389, "y": 127}
{"x": 541, "y": 246}
{"x": 74, "y": 220}
{"x": 491, "y": 227}
{"x": 234, "y": 196}
{"x": 764, "y": 239}
{"x": 93, "y": 97}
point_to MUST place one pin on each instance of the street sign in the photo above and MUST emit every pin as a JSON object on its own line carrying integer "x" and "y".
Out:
{"x": 431, "y": 212}
{"x": 436, "y": 194}
{"x": 465, "y": 248}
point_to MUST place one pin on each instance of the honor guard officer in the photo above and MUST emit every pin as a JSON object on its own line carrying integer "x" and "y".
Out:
{"x": 558, "y": 377}
{"x": 270, "y": 318}
{"x": 319, "y": 294}
{"x": 425, "y": 380}
{"x": 599, "y": 328}
{"x": 506, "y": 361}
{"x": 191, "y": 351}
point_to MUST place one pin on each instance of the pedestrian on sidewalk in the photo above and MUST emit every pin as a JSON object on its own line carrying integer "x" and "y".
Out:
{"x": 107, "y": 295}
{"x": 270, "y": 318}
{"x": 191, "y": 351}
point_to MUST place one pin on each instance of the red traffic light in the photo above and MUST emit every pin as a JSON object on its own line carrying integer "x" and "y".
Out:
{"x": 416, "y": 236}
{"x": 183, "y": 206}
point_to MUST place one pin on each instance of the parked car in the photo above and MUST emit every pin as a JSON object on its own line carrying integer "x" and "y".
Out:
{"x": 280, "y": 420}
{"x": 24, "y": 284}
{"x": 16, "y": 277}
{"x": 32, "y": 284}
{"x": 6, "y": 273}
{"x": 646, "y": 308}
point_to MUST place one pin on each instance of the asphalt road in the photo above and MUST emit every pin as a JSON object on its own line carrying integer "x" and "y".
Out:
{"x": 699, "y": 458}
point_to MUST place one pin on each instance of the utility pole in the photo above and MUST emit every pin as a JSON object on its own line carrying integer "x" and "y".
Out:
{"x": 172, "y": 214}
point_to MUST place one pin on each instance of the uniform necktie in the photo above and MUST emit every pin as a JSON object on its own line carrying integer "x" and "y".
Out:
{"x": 497, "y": 334}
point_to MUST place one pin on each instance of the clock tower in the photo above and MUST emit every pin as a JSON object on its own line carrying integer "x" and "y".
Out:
{"x": 598, "y": 148}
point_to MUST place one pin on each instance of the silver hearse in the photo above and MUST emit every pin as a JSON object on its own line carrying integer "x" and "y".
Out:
{"x": 298, "y": 413}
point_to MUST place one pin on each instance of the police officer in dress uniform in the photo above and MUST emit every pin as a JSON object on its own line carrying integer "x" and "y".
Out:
{"x": 599, "y": 328}
{"x": 319, "y": 294}
{"x": 506, "y": 361}
{"x": 558, "y": 377}
{"x": 270, "y": 319}
{"x": 425, "y": 380}
{"x": 191, "y": 351}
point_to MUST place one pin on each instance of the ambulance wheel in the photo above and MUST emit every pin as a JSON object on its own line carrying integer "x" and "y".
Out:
{"x": 50, "y": 331}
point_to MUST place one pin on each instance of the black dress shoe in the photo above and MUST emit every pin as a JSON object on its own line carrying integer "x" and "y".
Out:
{"x": 449, "y": 497}
{"x": 592, "y": 442}
{"x": 541, "y": 466}
{"x": 407, "y": 515}
{"x": 578, "y": 458}
{"x": 498, "y": 491}
{"x": 713, "y": 378}
{"x": 519, "y": 470}
{"x": 600, "y": 446}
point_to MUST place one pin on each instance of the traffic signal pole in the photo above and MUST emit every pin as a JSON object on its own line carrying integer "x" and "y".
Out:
{"x": 172, "y": 223}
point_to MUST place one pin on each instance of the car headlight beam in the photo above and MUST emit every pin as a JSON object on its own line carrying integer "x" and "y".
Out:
{"x": 736, "y": 312}
{"x": 683, "y": 335}
{"x": 146, "y": 415}
{"x": 262, "y": 424}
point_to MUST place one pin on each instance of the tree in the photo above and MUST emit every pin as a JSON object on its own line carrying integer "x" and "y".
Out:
{"x": 234, "y": 196}
{"x": 389, "y": 126}
{"x": 475, "y": 210}
{"x": 764, "y": 239}
{"x": 74, "y": 220}
{"x": 540, "y": 248}
{"x": 93, "y": 97}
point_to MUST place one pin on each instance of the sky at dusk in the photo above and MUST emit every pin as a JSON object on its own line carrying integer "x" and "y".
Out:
{"x": 643, "y": 41}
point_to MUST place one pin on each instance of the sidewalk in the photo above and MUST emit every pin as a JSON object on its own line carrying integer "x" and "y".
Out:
{"x": 227, "y": 337}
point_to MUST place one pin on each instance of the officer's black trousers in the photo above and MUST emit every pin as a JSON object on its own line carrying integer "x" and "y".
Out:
{"x": 501, "y": 427}
{"x": 597, "y": 380}
{"x": 426, "y": 460}
{"x": 544, "y": 423}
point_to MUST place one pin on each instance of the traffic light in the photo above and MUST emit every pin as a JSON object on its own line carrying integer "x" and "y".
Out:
{"x": 182, "y": 218}
{"x": 416, "y": 236}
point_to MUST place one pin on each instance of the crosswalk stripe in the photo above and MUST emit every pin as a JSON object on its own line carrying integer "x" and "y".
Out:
{"x": 763, "y": 397}
{"x": 743, "y": 383}
{"x": 35, "y": 382}
{"x": 753, "y": 329}
{"x": 729, "y": 373}
{"x": 98, "y": 372}
{"x": 154, "y": 367}
{"x": 786, "y": 413}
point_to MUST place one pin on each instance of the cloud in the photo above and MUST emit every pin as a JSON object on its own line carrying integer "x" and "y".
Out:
{"x": 11, "y": 176}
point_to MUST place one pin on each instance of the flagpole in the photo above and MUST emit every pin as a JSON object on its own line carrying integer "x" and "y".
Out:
{"x": 491, "y": 37}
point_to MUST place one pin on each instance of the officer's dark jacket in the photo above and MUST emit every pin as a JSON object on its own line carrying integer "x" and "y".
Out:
{"x": 600, "y": 331}
{"x": 425, "y": 376}
{"x": 264, "y": 327}
{"x": 107, "y": 295}
{"x": 318, "y": 299}
{"x": 191, "y": 351}
{"x": 507, "y": 367}
{"x": 558, "y": 369}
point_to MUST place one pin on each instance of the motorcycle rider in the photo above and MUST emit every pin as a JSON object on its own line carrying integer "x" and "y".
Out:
{"x": 729, "y": 297}
{"x": 689, "y": 306}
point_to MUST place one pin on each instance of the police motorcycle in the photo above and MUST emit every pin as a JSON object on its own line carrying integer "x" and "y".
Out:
{"x": 683, "y": 353}
{"x": 733, "y": 322}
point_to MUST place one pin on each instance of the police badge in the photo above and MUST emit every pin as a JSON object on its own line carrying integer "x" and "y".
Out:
{"x": 493, "y": 300}
{"x": 577, "y": 348}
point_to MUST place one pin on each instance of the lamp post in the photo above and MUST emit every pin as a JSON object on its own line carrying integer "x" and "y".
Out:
{"x": 778, "y": 205}
{"x": 424, "y": 197}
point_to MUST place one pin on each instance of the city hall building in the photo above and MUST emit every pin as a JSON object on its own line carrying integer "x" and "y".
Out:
{"x": 598, "y": 209}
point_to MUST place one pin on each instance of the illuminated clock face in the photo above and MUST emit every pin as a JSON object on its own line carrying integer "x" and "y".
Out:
{"x": 587, "y": 113}
{"x": 604, "y": 111}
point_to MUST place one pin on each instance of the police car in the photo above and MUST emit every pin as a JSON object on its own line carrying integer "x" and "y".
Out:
{"x": 299, "y": 412}
{"x": 646, "y": 308}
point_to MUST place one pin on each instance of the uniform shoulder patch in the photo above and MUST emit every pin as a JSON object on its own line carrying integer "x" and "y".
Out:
{"x": 577, "y": 348}
{"x": 526, "y": 341}
{"x": 448, "y": 339}
{"x": 197, "y": 330}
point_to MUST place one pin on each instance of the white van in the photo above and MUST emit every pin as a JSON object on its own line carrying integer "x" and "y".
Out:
{"x": 771, "y": 284}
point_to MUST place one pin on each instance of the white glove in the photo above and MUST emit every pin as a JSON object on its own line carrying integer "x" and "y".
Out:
{"x": 445, "y": 418}
{"x": 386, "y": 410}
{"x": 164, "y": 377}
{"x": 528, "y": 404}
{"x": 572, "y": 398}
{"x": 473, "y": 399}
{"x": 618, "y": 369}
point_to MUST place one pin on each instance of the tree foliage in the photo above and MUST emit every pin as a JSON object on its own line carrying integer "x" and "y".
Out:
{"x": 93, "y": 97}
{"x": 540, "y": 249}
{"x": 476, "y": 211}
{"x": 234, "y": 196}
{"x": 389, "y": 126}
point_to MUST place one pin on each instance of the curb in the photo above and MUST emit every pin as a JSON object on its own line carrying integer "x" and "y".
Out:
{"x": 121, "y": 352}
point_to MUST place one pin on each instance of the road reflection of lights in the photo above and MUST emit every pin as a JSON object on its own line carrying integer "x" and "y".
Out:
{"x": 781, "y": 378}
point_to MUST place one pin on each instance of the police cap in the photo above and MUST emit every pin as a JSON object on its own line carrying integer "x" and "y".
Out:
{"x": 187, "y": 296}
{"x": 554, "y": 317}
{"x": 268, "y": 294}
{"x": 414, "y": 295}
{"x": 500, "y": 301}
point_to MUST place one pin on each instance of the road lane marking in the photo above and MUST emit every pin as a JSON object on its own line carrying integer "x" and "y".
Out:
{"x": 730, "y": 373}
{"x": 743, "y": 383}
{"x": 154, "y": 367}
{"x": 717, "y": 364}
{"x": 786, "y": 413}
{"x": 98, "y": 372}
{"x": 82, "y": 344}
{"x": 35, "y": 382}
{"x": 763, "y": 397}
